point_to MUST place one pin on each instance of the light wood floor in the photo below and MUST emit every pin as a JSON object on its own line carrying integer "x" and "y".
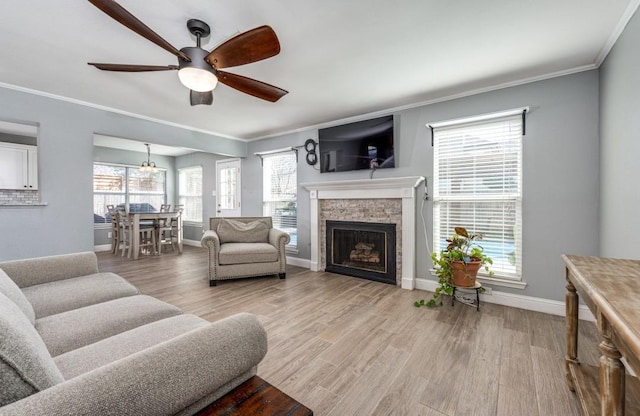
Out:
{"x": 347, "y": 346}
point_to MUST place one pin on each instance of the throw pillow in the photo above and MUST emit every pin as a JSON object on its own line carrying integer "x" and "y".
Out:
{"x": 9, "y": 288}
{"x": 234, "y": 231}
{"x": 26, "y": 367}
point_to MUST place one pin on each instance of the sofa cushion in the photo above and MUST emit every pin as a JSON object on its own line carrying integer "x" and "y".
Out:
{"x": 242, "y": 253}
{"x": 26, "y": 367}
{"x": 233, "y": 231}
{"x": 9, "y": 288}
{"x": 90, "y": 357}
{"x": 73, "y": 329}
{"x": 65, "y": 295}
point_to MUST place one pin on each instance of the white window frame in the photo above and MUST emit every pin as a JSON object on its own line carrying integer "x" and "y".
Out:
{"x": 183, "y": 195}
{"x": 269, "y": 200}
{"x": 469, "y": 137}
{"x": 126, "y": 193}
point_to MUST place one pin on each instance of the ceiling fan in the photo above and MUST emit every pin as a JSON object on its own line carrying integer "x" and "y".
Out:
{"x": 198, "y": 69}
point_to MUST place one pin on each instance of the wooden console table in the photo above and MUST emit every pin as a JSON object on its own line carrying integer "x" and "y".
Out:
{"x": 611, "y": 290}
{"x": 256, "y": 397}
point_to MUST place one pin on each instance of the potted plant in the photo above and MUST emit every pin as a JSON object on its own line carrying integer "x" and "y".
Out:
{"x": 457, "y": 265}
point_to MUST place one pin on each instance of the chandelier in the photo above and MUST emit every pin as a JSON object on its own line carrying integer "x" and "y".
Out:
{"x": 148, "y": 166}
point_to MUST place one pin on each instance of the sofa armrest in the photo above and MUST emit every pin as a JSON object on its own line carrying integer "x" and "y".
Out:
{"x": 210, "y": 240}
{"x": 278, "y": 238}
{"x": 162, "y": 380}
{"x": 35, "y": 271}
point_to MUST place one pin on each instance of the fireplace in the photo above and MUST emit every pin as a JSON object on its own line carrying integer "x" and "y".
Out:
{"x": 362, "y": 249}
{"x": 384, "y": 200}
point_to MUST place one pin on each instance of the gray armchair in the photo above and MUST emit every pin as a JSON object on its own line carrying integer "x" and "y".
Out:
{"x": 244, "y": 247}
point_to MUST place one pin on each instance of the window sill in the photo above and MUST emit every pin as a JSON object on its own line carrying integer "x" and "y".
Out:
{"x": 192, "y": 223}
{"x": 24, "y": 204}
{"x": 496, "y": 280}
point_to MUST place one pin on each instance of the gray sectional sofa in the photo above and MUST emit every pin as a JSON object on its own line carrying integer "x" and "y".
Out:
{"x": 74, "y": 341}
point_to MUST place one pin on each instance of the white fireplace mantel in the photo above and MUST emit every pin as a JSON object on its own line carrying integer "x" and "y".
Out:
{"x": 403, "y": 188}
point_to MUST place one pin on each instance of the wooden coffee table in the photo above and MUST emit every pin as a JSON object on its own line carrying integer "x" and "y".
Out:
{"x": 256, "y": 397}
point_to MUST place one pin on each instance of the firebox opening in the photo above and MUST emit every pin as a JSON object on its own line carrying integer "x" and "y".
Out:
{"x": 362, "y": 249}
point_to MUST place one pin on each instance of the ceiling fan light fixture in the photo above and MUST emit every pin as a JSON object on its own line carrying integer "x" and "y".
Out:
{"x": 197, "y": 79}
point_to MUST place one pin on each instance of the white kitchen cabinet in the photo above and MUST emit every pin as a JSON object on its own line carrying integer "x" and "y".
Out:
{"x": 18, "y": 166}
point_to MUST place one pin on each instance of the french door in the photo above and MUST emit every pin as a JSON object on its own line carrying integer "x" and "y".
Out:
{"x": 228, "y": 193}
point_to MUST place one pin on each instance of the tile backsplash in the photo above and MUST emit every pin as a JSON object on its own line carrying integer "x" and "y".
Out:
{"x": 19, "y": 197}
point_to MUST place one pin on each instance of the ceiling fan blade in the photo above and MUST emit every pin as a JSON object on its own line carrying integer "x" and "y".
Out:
{"x": 133, "y": 68}
{"x": 251, "y": 86}
{"x": 197, "y": 98}
{"x": 121, "y": 15}
{"x": 251, "y": 46}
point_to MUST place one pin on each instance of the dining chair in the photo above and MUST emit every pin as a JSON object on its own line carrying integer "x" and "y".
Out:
{"x": 168, "y": 234}
{"x": 147, "y": 235}
{"x": 165, "y": 207}
{"x": 115, "y": 228}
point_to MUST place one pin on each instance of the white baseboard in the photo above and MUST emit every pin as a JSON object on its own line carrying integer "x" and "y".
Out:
{"x": 296, "y": 261}
{"x": 531, "y": 303}
{"x": 192, "y": 243}
{"x": 103, "y": 247}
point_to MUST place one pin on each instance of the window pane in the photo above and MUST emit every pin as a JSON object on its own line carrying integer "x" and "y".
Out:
{"x": 108, "y": 178}
{"x": 109, "y": 189}
{"x": 227, "y": 197}
{"x": 100, "y": 202}
{"x": 190, "y": 193}
{"x": 280, "y": 189}
{"x": 496, "y": 220}
{"x": 145, "y": 203}
{"x": 146, "y": 182}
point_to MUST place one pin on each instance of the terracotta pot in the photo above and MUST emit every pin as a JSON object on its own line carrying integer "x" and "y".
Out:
{"x": 464, "y": 274}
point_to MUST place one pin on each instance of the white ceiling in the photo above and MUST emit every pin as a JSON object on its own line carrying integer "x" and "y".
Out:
{"x": 339, "y": 58}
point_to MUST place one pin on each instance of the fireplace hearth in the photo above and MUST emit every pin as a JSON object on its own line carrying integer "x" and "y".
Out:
{"x": 362, "y": 249}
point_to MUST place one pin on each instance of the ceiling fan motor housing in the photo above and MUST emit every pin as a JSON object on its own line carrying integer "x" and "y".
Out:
{"x": 197, "y": 56}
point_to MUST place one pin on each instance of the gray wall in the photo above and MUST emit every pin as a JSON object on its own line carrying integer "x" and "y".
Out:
{"x": 65, "y": 163}
{"x": 620, "y": 146}
{"x": 560, "y": 162}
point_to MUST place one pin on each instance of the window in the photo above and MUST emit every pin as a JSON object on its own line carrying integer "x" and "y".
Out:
{"x": 280, "y": 186}
{"x": 126, "y": 186}
{"x": 190, "y": 193}
{"x": 478, "y": 185}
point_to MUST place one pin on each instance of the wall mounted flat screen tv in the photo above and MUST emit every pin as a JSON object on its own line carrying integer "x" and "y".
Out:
{"x": 365, "y": 144}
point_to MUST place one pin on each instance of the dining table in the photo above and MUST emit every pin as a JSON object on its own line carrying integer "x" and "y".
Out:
{"x": 156, "y": 217}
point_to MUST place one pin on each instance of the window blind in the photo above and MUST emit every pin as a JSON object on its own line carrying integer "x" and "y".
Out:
{"x": 478, "y": 185}
{"x": 190, "y": 193}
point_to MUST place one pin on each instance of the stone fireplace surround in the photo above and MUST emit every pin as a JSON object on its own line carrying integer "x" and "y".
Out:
{"x": 387, "y": 200}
